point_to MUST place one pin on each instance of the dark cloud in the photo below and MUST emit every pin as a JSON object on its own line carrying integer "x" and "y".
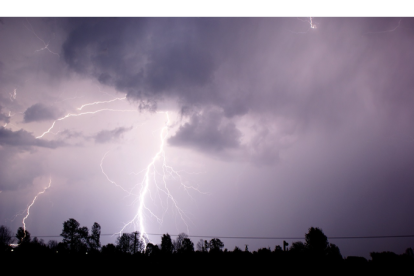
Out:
{"x": 68, "y": 134}
{"x": 154, "y": 59}
{"x": 41, "y": 112}
{"x": 106, "y": 136}
{"x": 244, "y": 64}
{"x": 207, "y": 131}
{"x": 22, "y": 139}
{"x": 279, "y": 67}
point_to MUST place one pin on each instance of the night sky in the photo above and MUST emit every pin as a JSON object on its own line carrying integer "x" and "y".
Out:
{"x": 275, "y": 125}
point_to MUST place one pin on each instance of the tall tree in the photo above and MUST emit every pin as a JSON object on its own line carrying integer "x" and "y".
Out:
{"x": 152, "y": 250}
{"x": 22, "y": 236}
{"x": 187, "y": 246}
{"x": 178, "y": 243}
{"x": 84, "y": 238}
{"x": 200, "y": 246}
{"x": 131, "y": 243}
{"x": 74, "y": 237}
{"x": 6, "y": 237}
{"x": 123, "y": 243}
{"x": 94, "y": 239}
{"x": 316, "y": 242}
{"x": 206, "y": 246}
{"x": 216, "y": 245}
{"x": 138, "y": 242}
{"x": 166, "y": 244}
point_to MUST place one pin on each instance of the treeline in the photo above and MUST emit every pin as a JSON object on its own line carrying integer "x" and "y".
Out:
{"x": 78, "y": 242}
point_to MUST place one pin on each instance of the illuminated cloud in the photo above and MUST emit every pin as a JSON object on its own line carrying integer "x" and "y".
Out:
{"x": 106, "y": 136}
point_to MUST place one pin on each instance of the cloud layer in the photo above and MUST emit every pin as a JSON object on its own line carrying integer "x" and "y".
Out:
{"x": 266, "y": 66}
{"x": 41, "y": 112}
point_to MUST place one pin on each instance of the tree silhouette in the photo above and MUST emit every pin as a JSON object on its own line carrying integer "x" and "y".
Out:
{"x": 206, "y": 246}
{"x": 187, "y": 246}
{"x": 278, "y": 248}
{"x": 333, "y": 252}
{"x": 53, "y": 245}
{"x": 138, "y": 242}
{"x": 237, "y": 250}
{"x": 6, "y": 238}
{"x": 94, "y": 239}
{"x": 166, "y": 244}
{"x": 152, "y": 250}
{"x": 298, "y": 247}
{"x": 84, "y": 238}
{"x": 200, "y": 246}
{"x": 22, "y": 236}
{"x": 264, "y": 251}
{"x": 123, "y": 243}
{"x": 74, "y": 237}
{"x": 316, "y": 242}
{"x": 131, "y": 243}
{"x": 216, "y": 245}
{"x": 109, "y": 249}
{"x": 178, "y": 243}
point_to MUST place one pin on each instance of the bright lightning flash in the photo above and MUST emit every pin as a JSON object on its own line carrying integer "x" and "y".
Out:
{"x": 31, "y": 204}
{"x": 80, "y": 114}
{"x": 150, "y": 180}
{"x": 116, "y": 99}
{"x": 313, "y": 26}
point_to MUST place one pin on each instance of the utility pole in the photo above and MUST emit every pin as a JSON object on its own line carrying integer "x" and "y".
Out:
{"x": 285, "y": 245}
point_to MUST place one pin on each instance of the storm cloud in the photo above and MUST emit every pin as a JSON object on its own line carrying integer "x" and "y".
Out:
{"x": 22, "y": 138}
{"x": 207, "y": 131}
{"x": 41, "y": 112}
{"x": 256, "y": 65}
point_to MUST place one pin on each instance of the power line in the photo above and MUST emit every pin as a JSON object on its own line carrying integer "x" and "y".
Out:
{"x": 263, "y": 238}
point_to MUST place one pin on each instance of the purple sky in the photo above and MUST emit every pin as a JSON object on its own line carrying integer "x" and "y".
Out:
{"x": 279, "y": 126}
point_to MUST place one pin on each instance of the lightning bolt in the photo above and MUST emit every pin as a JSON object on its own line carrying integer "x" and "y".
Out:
{"x": 107, "y": 177}
{"x": 31, "y": 204}
{"x": 80, "y": 114}
{"x": 387, "y": 31}
{"x": 149, "y": 180}
{"x": 88, "y": 104}
{"x": 308, "y": 21}
{"x": 45, "y": 45}
{"x": 313, "y": 26}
